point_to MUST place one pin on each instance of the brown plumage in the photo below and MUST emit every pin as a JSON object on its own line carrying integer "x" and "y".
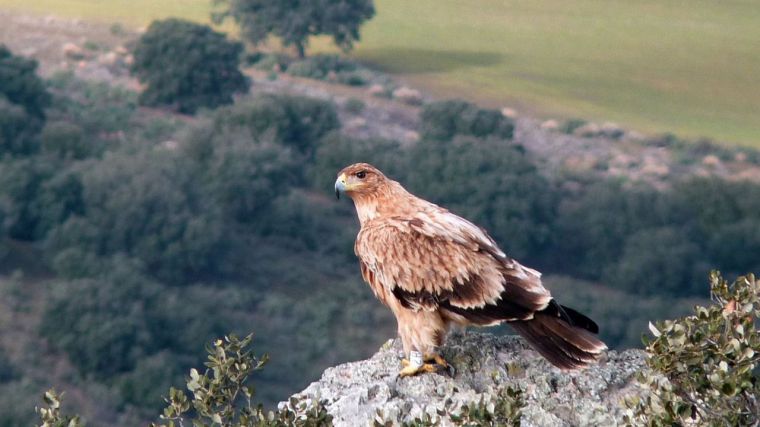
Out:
{"x": 434, "y": 269}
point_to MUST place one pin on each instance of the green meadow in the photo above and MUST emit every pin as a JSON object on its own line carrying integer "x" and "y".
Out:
{"x": 687, "y": 67}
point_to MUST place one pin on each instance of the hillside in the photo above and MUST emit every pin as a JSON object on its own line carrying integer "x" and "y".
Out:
{"x": 130, "y": 236}
{"x": 649, "y": 65}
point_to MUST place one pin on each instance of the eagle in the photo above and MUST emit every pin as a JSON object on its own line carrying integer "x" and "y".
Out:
{"x": 436, "y": 270}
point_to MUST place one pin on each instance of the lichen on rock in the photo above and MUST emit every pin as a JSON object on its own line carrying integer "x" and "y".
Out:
{"x": 483, "y": 364}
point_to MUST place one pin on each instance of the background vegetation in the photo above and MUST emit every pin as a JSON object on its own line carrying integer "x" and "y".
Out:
{"x": 130, "y": 236}
{"x": 650, "y": 65}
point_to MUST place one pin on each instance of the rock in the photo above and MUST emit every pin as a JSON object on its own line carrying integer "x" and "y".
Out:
{"x": 509, "y": 112}
{"x": 121, "y": 50}
{"x": 588, "y": 130}
{"x": 109, "y": 59}
{"x": 550, "y": 125}
{"x": 72, "y": 51}
{"x": 611, "y": 130}
{"x": 408, "y": 95}
{"x": 376, "y": 90}
{"x": 654, "y": 167}
{"x": 483, "y": 364}
{"x": 580, "y": 162}
{"x": 711, "y": 160}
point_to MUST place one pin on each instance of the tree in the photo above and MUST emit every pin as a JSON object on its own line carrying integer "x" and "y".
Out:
{"x": 443, "y": 120}
{"x": 187, "y": 66}
{"x": 296, "y": 20}
{"x": 20, "y": 85}
{"x": 23, "y": 99}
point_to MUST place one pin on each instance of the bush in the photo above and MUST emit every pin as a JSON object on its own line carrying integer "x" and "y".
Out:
{"x": 30, "y": 200}
{"x": 103, "y": 112}
{"x": 659, "y": 261}
{"x": 223, "y": 394}
{"x": 444, "y": 119}
{"x": 355, "y": 105}
{"x": 20, "y": 85}
{"x": 298, "y": 122}
{"x": 101, "y": 324}
{"x": 331, "y": 68}
{"x": 241, "y": 175}
{"x": 703, "y": 366}
{"x": 17, "y": 129}
{"x": 569, "y": 126}
{"x": 65, "y": 140}
{"x": 270, "y": 61}
{"x": 148, "y": 205}
{"x": 187, "y": 66}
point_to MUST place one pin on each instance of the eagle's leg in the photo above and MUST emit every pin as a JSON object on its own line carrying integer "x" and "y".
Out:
{"x": 417, "y": 364}
{"x": 437, "y": 358}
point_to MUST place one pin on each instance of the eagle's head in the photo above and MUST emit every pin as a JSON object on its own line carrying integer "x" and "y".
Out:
{"x": 360, "y": 179}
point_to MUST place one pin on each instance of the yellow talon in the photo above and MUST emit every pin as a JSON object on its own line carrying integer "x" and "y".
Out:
{"x": 410, "y": 371}
{"x": 433, "y": 357}
{"x": 405, "y": 362}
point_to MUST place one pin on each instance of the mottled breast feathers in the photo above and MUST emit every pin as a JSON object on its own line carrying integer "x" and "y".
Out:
{"x": 432, "y": 259}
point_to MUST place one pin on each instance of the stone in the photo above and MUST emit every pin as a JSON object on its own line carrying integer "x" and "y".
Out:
{"x": 550, "y": 124}
{"x": 482, "y": 364}
{"x": 588, "y": 130}
{"x": 711, "y": 160}
{"x": 509, "y": 112}
{"x": 72, "y": 51}
{"x": 376, "y": 90}
{"x": 408, "y": 95}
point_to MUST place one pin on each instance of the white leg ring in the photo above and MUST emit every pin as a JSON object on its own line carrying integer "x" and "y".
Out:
{"x": 415, "y": 359}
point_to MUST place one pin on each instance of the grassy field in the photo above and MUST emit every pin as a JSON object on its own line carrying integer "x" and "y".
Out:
{"x": 653, "y": 65}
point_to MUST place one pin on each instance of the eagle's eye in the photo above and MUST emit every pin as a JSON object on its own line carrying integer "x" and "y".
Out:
{"x": 361, "y": 175}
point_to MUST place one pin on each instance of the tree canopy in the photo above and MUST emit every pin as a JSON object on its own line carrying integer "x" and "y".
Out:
{"x": 296, "y": 20}
{"x": 187, "y": 66}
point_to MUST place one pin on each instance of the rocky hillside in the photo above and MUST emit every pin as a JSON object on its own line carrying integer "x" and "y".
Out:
{"x": 355, "y": 393}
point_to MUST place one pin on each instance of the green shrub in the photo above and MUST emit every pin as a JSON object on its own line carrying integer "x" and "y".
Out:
{"x": 101, "y": 324}
{"x": 65, "y": 140}
{"x": 355, "y": 105}
{"x": 187, "y": 66}
{"x": 703, "y": 366}
{"x": 333, "y": 68}
{"x": 51, "y": 415}
{"x": 504, "y": 409}
{"x": 295, "y": 121}
{"x": 648, "y": 264}
{"x": 319, "y": 66}
{"x": 569, "y": 126}
{"x": 17, "y": 129}
{"x": 270, "y": 61}
{"x": 148, "y": 205}
{"x": 102, "y": 111}
{"x": 24, "y": 197}
{"x": 20, "y": 85}
{"x": 445, "y": 119}
{"x": 223, "y": 395}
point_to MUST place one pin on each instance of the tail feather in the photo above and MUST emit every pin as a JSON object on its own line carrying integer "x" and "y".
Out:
{"x": 563, "y": 343}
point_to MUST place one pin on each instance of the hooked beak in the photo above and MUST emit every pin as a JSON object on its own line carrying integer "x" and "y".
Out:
{"x": 340, "y": 185}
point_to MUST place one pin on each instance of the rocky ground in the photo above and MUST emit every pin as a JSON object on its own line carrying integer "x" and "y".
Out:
{"x": 483, "y": 364}
{"x": 101, "y": 52}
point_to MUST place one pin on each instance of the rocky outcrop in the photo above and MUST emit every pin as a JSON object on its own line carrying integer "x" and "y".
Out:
{"x": 482, "y": 365}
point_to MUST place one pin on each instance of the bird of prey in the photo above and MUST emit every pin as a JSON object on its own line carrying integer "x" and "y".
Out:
{"x": 434, "y": 269}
